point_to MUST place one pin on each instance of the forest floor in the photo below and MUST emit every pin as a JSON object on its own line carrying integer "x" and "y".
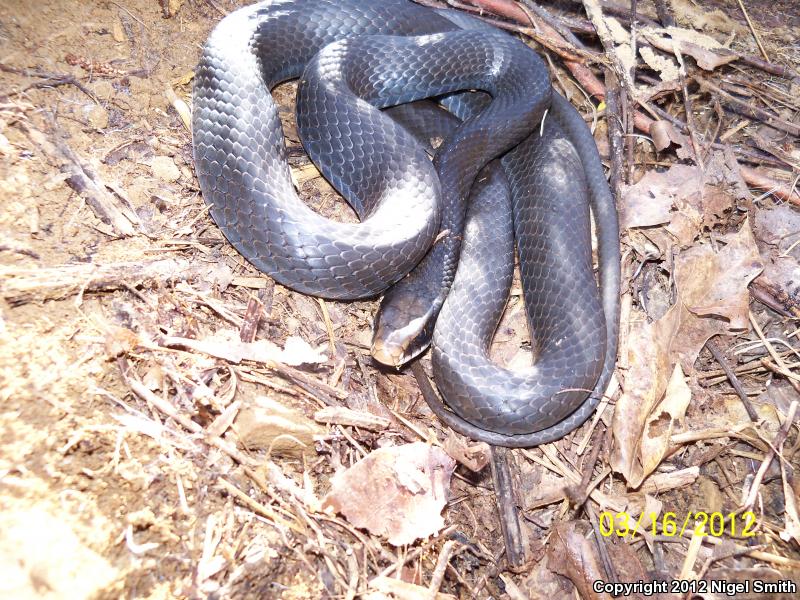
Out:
{"x": 175, "y": 425}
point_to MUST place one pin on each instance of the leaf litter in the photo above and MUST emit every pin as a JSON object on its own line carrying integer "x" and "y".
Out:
{"x": 183, "y": 427}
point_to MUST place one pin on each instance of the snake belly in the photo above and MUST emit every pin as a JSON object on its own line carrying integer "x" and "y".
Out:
{"x": 242, "y": 169}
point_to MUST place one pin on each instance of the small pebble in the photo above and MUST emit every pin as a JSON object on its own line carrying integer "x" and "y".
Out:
{"x": 98, "y": 117}
{"x": 165, "y": 168}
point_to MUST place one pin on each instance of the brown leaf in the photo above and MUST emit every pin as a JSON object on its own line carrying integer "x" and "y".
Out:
{"x": 778, "y": 226}
{"x": 649, "y": 361}
{"x": 712, "y": 299}
{"x": 714, "y": 283}
{"x": 396, "y": 492}
{"x": 685, "y": 197}
{"x": 120, "y": 340}
{"x": 573, "y": 554}
{"x": 660, "y": 424}
{"x": 473, "y": 456}
{"x": 664, "y": 134}
{"x": 700, "y": 47}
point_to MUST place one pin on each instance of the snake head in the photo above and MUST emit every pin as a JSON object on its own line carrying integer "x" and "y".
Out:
{"x": 403, "y": 328}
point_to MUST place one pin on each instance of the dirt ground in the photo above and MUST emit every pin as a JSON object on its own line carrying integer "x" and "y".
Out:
{"x": 141, "y": 456}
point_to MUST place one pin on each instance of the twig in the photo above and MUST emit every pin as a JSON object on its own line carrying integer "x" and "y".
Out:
{"x": 328, "y": 327}
{"x": 258, "y": 507}
{"x": 600, "y": 542}
{"x": 50, "y": 80}
{"x": 553, "y": 22}
{"x": 441, "y": 567}
{"x": 23, "y": 285}
{"x": 595, "y": 15}
{"x": 252, "y": 317}
{"x": 750, "y": 111}
{"x": 737, "y": 385}
{"x": 771, "y": 349}
{"x": 615, "y": 132}
{"x": 780, "y": 437}
{"x": 687, "y": 101}
{"x": 170, "y": 411}
{"x": 753, "y": 30}
{"x": 507, "y": 507}
{"x": 110, "y": 209}
{"x": 630, "y": 139}
{"x": 556, "y": 43}
{"x": 784, "y": 191}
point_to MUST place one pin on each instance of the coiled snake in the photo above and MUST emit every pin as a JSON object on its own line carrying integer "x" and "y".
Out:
{"x": 355, "y": 58}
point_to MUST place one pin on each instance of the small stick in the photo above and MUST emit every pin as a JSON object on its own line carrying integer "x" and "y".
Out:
{"x": 630, "y": 139}
{"x": 780, "y": 437}
{"x": 737, "y": 385}
{"x": 771, "y": 349}
{"x": 615, "y": 132}
{"x": 687, "y": 102}
{"x": 507, "y": 507}
{"x": 600, "y": 541}
{"x": 753, "y": 30}
{"x": 441, "y": 567}
{"x": 780, "y": 190}
{"x": 23, "y": 285}
{"x": 750, "y": 111}
{"x": 252, "y": 317}
{"x": 553, "y": 22}
{"x": 328, "y": 326}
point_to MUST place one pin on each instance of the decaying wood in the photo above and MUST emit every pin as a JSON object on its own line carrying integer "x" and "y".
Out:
{"x": 19, "y": 285}
{"x": 111, "y": 209}
{"x": 507, "y": 506}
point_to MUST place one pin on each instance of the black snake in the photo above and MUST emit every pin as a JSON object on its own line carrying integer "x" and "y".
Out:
{"x": 354, "y": 58}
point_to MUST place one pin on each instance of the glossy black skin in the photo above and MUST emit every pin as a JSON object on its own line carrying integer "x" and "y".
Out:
{"x": 241, "y": 165}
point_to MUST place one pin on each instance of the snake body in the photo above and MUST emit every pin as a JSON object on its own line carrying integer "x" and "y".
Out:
{"x": 406, "y": 203}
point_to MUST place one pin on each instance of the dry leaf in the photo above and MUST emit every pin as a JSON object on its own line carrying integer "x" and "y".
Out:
{"x": 778, "y": 226}
{"x": 473, "y": 456}
{"x": 712, "y": 299}
{"x": 649, "y": 360}
{"x": 397, "y": 492}
{"x": 714, "y": 284}
{"x": 664, "y": 134}
{"x": 660, "y": 424}
{"x": 698, "y": 16}
{"x": 686, "y": 197}
{"x": 707, "y": 52}
{"x": 120, "y": 340}
{"x": 573, "y": 554}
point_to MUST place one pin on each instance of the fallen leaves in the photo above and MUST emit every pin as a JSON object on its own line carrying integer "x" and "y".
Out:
{"x": 573, "y": 553}
{"x": 685, "y": 198}
{"x": 711, "y": 299}
{"x": 396, "y": 492}
{"x": 778, "y": 233}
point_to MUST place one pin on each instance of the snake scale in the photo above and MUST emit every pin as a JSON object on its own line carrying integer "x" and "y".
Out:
{"x": 355, "y": 58}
